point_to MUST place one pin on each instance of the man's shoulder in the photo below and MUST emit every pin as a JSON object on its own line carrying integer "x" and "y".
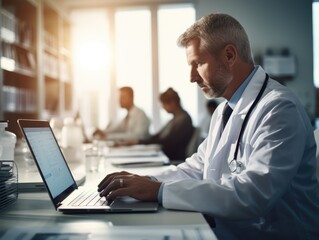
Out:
{"x": 280, "y": 93}
{"x": 136, "y": 109}
{"x": 183, "y": 117}
{"x": 138, "y": 112}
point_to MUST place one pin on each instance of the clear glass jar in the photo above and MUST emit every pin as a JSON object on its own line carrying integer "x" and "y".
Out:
{"x": 7, "y": 142}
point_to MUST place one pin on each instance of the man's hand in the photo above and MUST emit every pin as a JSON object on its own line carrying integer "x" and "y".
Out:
{"x": 127, "y": 184}
{"x": 99, "y": 134}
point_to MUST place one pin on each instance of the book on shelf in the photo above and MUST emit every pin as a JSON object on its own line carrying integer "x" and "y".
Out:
{"x": 20, "y": 58}
{"x": 31, "y": 60}
{"x": 9, "y": 98}
{"x": 18, "y": 99}
{"x": 14, "y": 30}
{"x": 8, "y": 27}
{"x": 50, "y": 41}
{"x": 25, "y": 34}
{"x": 50, "y": 65}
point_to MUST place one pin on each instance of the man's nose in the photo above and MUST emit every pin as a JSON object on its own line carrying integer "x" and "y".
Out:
{"x": 194, "y": 75}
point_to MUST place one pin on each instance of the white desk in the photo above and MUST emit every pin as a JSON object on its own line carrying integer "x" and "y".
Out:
{"x": 36, "y": 210}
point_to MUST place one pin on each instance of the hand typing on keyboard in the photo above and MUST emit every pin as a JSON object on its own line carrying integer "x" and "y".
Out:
{"x": 127, "y": 184}
{"x": 89, "y": 198}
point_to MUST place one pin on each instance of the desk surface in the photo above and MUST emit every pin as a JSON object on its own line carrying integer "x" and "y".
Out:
{"x": 36, "y": 210}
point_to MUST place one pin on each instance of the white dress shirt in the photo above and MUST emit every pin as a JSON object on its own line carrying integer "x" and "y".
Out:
{"x": 134, "y": 126}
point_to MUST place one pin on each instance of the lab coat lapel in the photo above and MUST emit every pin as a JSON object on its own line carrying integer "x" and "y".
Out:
{"x": 223, "y": 142}
{"x": 213, "y": 139}
{"x": 251, "y": 92}
{"x": 222, "y": 147}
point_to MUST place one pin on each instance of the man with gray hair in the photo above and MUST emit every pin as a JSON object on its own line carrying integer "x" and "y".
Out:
{"x": 255, "y": 173}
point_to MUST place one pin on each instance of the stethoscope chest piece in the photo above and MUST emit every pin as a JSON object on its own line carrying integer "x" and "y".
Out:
{"x": 236, "y": 166}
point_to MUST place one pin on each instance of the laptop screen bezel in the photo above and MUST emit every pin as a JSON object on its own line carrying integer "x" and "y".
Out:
{"x": 28, "y": 123}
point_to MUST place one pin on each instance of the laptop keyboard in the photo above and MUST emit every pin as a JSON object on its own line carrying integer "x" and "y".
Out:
{"x": 88, "y": 198}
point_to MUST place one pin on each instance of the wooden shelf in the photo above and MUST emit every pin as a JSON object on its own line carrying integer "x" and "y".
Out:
{"x": 35, "y": 67}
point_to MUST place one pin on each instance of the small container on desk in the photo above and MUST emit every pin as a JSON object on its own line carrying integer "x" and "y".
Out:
{"x": 8, "y": 183}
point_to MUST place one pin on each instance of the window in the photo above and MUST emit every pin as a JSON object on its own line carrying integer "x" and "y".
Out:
{"x": 91, "y": 64}
{"x": 131, "y": 46}
{"x": 173, "y": 69}
{"x": 134, "y": 55}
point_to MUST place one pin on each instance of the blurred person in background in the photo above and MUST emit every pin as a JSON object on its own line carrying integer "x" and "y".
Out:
{"x": 135, "y": 125}
{"x": 176, "y": 134}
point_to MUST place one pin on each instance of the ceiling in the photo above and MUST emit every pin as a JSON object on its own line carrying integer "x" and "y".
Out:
{"x": 72, "y": 4}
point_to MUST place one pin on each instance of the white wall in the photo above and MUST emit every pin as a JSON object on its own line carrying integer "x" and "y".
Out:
{"x": 274, "y": 24}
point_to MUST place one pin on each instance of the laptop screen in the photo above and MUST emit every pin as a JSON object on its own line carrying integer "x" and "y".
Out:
{"x": 54, "y": 169}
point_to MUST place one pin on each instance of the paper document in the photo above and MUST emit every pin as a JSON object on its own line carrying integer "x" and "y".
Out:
{"x": 132, "y": 154}
{"x": 159, "y": 160}
{"x": 140, "y": 149}
{"x": 137, "y": 156}
{"x": 114, "y": 233}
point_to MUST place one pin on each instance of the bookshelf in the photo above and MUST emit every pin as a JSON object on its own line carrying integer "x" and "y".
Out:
{"x": 19, "y": 63}
{"x": 35, "y": 73}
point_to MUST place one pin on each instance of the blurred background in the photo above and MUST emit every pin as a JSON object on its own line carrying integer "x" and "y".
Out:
{"x": 67, "y": 58}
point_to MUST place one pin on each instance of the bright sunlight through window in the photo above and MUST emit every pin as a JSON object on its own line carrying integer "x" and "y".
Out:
{"x": 100, "y": 69}
{"x": 133, "y": 55}
{"x": 173, "y": 68}
{"x": 94, "y": 50}
{"x": 91, "y": 64}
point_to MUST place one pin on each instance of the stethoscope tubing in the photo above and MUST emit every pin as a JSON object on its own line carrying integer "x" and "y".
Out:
{"x": 246, "y": 121}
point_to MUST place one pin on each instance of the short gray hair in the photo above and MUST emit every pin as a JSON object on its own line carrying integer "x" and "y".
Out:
{"x": 215, "y": 31}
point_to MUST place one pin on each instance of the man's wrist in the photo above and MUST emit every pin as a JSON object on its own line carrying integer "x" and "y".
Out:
{"x": 160, "y": 190}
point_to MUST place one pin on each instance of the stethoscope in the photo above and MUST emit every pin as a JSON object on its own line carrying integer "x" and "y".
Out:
{"x": 235, "y": 165}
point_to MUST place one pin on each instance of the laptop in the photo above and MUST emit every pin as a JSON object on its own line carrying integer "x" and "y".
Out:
{"x": 66, "y": 196}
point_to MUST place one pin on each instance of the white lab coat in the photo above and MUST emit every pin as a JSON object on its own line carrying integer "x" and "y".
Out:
{"x": 276, "y": 196}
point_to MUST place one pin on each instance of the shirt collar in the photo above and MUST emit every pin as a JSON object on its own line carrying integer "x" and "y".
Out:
{"x": 236, "y": 96}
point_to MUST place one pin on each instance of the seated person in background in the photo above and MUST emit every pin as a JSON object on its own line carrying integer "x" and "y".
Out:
{"x": 211, "y": 105}
{"x": 176, "y": 134}
{"x": 134, "y": 126}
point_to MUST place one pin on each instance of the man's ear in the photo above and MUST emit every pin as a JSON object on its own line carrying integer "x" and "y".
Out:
{"x": 230, "y": 54}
